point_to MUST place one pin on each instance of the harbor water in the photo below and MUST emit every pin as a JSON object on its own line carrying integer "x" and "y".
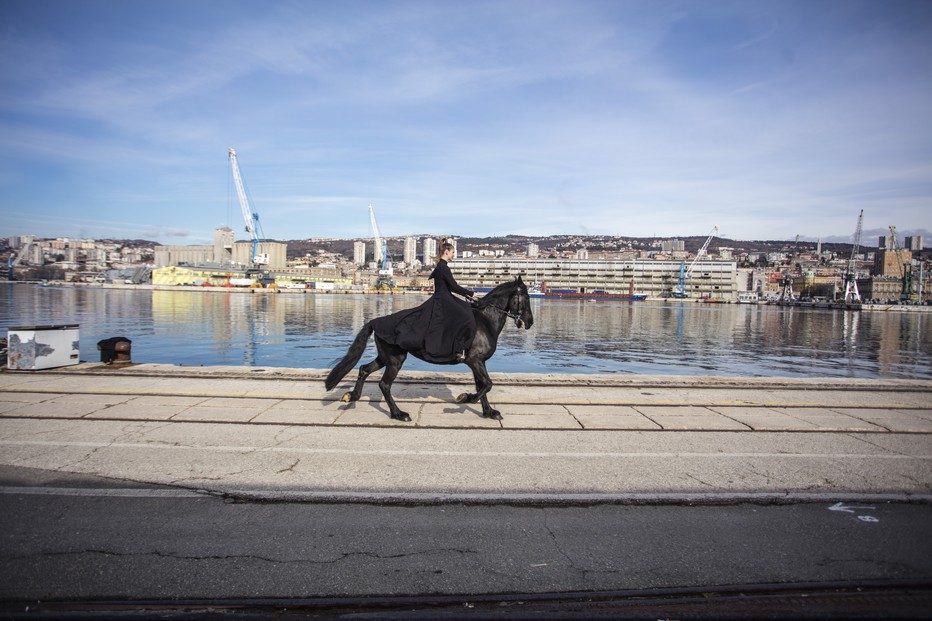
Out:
{"x": 195, "y": 328}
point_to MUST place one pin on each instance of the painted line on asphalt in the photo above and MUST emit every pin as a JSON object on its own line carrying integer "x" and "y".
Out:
{"x": 435, "y": 453}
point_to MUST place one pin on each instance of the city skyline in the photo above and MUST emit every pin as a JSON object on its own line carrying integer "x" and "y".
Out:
{"x": 631, "y": 119}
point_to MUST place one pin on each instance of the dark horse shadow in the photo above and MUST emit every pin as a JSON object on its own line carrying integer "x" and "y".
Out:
{"x": 508, "y": 300}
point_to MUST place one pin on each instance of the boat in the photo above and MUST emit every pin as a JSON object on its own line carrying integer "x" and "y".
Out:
{"x": 592, "y": 295}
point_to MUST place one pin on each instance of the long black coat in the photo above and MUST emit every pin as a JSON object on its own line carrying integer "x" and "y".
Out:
{"x": 437, "y": 329}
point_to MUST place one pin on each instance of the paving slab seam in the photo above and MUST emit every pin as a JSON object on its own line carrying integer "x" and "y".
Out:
{"x": 678, "y": 403}
{"x": 493, "y": 425}
{"x": 511, "y": 379}
{"x": 426, "y": 452}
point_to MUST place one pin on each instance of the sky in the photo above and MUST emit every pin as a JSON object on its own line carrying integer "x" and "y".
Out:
{"x": 766, "y": 118}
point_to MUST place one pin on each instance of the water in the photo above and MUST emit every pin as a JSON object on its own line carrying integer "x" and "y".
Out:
{"x": 569, "y": 336}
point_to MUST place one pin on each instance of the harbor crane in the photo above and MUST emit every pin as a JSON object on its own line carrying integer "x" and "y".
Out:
{"x": 680, "y": 290}
{"x": 787, "y": 292}
{"x": 851, "y": 271}
{"x": 905, "y": 268}
{"x": 249, "y": 215}
{"x": 386, "y": 272}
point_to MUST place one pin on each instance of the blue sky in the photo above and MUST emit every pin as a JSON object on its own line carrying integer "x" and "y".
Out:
{"x": 637, "y": 118}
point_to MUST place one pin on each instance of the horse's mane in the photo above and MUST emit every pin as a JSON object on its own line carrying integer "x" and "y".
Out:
{"x": 503, "y": 290}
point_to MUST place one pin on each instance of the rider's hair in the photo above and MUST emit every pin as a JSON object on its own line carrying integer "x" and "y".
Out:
{"x": 444, "y": 246}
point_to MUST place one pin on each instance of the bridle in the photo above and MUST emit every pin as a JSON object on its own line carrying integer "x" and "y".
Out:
{"x": 507, "y": 311}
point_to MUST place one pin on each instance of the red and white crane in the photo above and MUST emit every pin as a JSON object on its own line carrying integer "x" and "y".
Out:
{"x": 851, "y": 271}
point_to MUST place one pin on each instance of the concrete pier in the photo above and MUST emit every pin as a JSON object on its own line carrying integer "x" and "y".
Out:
{"x": 277, "y": 434}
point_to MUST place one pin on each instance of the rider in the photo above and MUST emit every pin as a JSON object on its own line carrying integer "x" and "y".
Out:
{"x": 439, "y": 330}
{"x": 455, "y": 322}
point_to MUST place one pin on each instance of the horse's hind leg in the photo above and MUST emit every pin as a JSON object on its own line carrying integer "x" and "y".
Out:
{"x": 364, "y": 372}
{"x": 385, "y": 384}
{"x": 394, "y": 357}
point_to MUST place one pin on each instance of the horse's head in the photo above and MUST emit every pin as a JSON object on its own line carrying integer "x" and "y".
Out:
{"x": 519, "y": 305}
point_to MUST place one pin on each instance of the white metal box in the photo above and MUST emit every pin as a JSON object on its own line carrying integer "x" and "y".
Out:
{"x": 32, "y": 348}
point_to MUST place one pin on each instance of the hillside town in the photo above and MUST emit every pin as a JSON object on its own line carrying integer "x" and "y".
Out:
{"x": 706, "y": 268}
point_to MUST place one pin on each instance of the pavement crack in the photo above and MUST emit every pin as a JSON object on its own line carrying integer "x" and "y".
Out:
{"x": 700, "y": 481}
{"x": 290, "y": 468}
{"x": 557, "y": 546}
{"x": 867, "y": 441}
{"x": 240, "y": 557}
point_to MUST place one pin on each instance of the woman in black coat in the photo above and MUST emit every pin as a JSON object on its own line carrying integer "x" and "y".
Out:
{"x": 439, "y": 330}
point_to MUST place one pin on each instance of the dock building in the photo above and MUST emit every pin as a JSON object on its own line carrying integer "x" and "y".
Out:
{"x": 715, "y": 280}
{"x": 224, "y": 251}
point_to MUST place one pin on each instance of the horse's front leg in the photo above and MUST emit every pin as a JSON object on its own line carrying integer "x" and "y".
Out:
{"x": 483, "y": 386}
{"x": 470, "y": 397}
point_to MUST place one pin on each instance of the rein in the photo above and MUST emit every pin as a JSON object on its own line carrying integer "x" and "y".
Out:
{"x": 504, "y": 311}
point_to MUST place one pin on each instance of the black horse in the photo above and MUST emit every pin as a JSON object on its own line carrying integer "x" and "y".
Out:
{"x": 508, "y": 300}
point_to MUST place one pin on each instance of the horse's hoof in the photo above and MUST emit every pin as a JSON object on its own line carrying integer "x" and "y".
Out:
{"x": 463, "y": 398}
{"x": 347, "y": 397}
{"x": 402, "y": 416}
{"x": 493, "y": 414}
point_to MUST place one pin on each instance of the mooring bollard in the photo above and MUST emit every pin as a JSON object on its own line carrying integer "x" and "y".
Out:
{"x": 117, "y": 349}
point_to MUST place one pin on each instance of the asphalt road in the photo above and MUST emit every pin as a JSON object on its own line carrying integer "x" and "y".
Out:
{"x": 73, "y": 537}
{"x": 144, "y": 492}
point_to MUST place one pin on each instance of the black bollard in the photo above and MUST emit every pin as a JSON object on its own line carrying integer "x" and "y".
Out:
{"x": 115, "y": 349}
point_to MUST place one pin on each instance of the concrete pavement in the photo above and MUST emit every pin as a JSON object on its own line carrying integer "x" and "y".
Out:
{"x": 275, "y": 433}
{"x": 528, "y": 401}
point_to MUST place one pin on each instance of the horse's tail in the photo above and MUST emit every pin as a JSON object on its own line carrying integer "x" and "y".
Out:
{"x": 350, "y": 359}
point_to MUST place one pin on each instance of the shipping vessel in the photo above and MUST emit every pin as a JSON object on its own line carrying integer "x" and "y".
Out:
{"x": 595, "y": 294}
{"x": 543, "y": 291}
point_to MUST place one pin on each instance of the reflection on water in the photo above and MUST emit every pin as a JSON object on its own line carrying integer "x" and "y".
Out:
{"x": 569, "y": 336}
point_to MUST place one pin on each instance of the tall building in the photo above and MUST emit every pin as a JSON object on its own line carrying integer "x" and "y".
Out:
{"x": 914, "y": 243}
{"x": 223, "y": 245}
{"x": 410, "y": 253}
{"x": 890, "y": 263}
{"x": 886, "y": 242}
{"x": 671, "y": 245}
{"x": 533, "y": 250}
{"x": 430, "y": 250}
{"x": 359, "y": 253}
